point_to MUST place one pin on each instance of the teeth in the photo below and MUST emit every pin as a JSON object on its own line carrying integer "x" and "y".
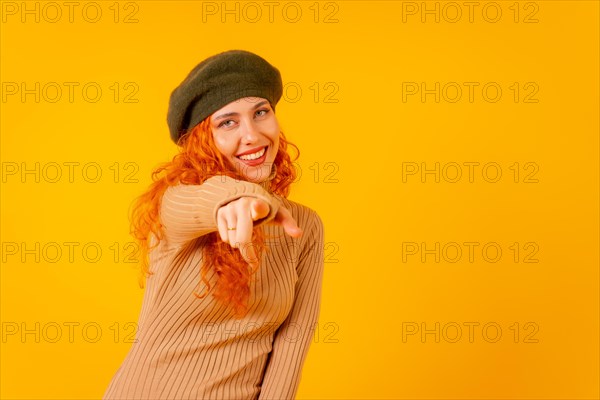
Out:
{"x": 254, "y": 156}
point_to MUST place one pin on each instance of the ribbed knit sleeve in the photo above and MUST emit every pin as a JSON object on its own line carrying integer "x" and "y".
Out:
{"x": 293, "y": 338}
{"x": 190, "y": 211}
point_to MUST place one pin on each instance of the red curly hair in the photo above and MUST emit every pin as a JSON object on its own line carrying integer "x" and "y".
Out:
{"x": 198, "y": 160}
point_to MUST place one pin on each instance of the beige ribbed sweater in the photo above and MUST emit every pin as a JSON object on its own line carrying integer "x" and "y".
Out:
{"x": 191, "y": 348}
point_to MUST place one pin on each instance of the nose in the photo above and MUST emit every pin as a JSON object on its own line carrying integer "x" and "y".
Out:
{"x": 249, "y": 131}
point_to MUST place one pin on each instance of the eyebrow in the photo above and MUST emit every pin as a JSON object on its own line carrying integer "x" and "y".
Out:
{"x": 257, "y": 105}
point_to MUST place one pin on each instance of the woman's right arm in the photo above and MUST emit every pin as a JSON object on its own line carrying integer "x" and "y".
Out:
{"x": 190, "y": 211}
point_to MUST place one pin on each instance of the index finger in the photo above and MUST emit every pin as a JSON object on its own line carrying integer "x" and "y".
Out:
{"x": 285, "y": 218}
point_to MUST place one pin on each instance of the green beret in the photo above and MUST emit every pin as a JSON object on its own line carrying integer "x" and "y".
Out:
{"x": 216, "y": 82}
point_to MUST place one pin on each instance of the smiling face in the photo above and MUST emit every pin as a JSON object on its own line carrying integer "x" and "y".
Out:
{"x": 246, "y": 132}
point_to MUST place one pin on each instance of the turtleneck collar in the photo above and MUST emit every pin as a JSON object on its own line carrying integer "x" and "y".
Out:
{"x": 266, "y": 184}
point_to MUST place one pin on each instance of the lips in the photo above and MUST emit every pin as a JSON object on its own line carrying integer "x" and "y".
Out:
{"x": 255, "y": 161}
{"x": 251, "y": 151}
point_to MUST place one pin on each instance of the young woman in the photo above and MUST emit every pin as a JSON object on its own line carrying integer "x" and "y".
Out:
{"x": 233, "y": 268}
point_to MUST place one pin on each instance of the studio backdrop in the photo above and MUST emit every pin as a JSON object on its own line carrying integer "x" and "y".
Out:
{"x": 450, "y": 148}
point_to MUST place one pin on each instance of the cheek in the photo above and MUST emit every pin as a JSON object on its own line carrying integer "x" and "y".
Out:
{"x": 273, "y": 132}
{"x": 275, "y": 140}
{"x": 225, "y": 146}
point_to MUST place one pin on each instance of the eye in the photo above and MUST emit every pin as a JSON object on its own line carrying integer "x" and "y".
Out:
{"x": 226, "y": 123}
{"x": 262, "y": 112}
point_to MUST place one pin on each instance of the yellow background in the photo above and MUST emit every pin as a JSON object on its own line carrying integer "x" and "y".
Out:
{"x": 367, "y": 132}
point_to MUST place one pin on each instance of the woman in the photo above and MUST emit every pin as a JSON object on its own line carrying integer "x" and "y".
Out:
{"x": 234, "y": 268}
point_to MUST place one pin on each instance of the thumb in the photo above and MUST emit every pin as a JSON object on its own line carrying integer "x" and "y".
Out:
{"x": 259, "y": 209}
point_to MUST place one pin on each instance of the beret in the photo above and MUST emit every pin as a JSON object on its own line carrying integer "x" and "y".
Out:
{"x": 216, "y": 82}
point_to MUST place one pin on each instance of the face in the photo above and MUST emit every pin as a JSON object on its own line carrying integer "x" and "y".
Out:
{"x": 246, "y": 132}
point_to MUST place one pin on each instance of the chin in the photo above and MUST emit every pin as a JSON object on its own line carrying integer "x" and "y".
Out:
{"x": 257, "y": 174}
